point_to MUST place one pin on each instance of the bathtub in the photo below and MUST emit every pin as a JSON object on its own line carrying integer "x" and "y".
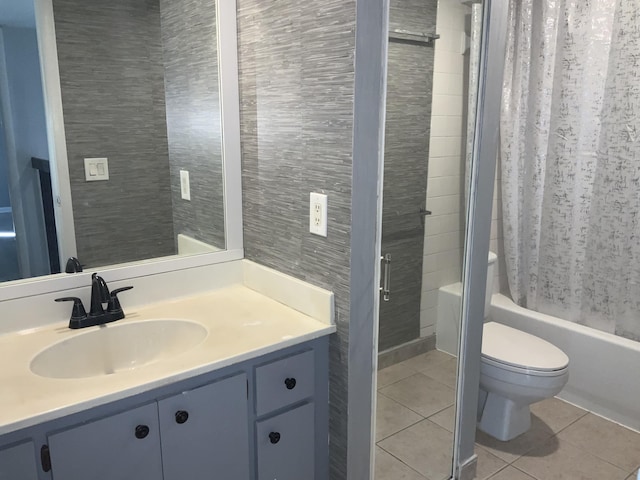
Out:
{"x": 604, "y": 369}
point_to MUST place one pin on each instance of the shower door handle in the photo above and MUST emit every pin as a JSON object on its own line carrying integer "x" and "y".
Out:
{"x": 386, "y": 277}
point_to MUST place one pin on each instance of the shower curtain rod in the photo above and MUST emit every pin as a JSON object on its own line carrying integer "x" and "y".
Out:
{"x": 407, "y": 36}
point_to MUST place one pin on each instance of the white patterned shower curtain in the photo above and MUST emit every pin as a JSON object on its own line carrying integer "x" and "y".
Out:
{"x": 570, "y": 152}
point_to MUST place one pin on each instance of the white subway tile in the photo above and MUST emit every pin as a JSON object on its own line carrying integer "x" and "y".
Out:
{"x": 448, "y": 62}
{"x": 450, "y": 275}
{"x": 446, "y": 126}
{"x": 428, "y": 317}
{"x": 448, "y": 84}
{"x": 432, "y": 223}
{"x": 445, "y": 166}
{"x": 451, "y": 223}
{"x": 450, "y": 259}
{"x": 429, "y": 299}
{"x": 427, "y": 331}
{"x": 445, "y": 205}
{"x": 439, "y": 186}
{"x": 448, "y": 105}
{"x": 431, "y": 281}
{"x": 429, "y": 264}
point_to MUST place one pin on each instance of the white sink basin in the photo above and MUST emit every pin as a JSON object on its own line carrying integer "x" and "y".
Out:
{"x": 117, "y": 347}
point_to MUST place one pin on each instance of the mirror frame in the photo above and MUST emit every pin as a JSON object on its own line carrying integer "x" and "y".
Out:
{"x": 231, "y": 154}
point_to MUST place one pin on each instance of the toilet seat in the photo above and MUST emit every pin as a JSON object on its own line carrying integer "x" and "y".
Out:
{"x": 519, "y": 352}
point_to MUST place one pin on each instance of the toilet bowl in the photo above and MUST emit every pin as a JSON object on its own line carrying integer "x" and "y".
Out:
{"x": 516, "y": 370}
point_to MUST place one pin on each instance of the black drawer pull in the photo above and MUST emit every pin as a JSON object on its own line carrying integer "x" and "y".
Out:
{"x": 45, "y": 458}
{"x": 182, "y": 416}
{"x": 290, "y": 383}
{"x": 142, "y": 431}
{"x": 274, "y": 437}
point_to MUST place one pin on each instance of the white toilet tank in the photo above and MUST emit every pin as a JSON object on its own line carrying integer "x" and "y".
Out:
{"x": 448, "y": 312}
{"x": 491, "y": 273}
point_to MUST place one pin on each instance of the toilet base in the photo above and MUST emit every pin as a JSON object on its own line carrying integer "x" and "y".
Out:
{"x": 503, "y": 419}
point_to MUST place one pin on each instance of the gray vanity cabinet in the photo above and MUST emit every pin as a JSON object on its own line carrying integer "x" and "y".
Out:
{"x": 285, "y": 445}
{"x": 265, "y": 418}
{"x": 19, "y": 462}
{"x": 125, "y": 446}
{"x": 205, "y": 432}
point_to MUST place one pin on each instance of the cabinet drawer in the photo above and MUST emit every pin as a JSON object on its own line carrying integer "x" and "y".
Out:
{"x": 284, "y": 382}
{"x": 285, "y": 445}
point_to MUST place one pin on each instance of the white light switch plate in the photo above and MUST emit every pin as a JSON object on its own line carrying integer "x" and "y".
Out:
{"x": 318, "y": 214}
{"x": 185, "y": 186}
{"x": 96, "y": 169}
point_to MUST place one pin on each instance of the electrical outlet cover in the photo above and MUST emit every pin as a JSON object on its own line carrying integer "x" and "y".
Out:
{"x": 185, "y": 186}
{"x": 318, "y": 214}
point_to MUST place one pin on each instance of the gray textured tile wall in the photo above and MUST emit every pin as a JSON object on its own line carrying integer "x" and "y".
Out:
{"x": 407, "y": 129}
{"x": 189, "y": 44}
{"x": 111, "y": 77}
{"x": 297, "y": 88}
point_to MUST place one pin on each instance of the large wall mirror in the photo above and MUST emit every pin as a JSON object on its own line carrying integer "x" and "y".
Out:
{"x": 111, "y": 133}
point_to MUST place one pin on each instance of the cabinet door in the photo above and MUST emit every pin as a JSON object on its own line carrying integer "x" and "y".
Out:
{"x": 205, "y": 432}
{"x": 18, "y": 462}
{"x": 285, "y": 445}
{"x": 122, "y": 447}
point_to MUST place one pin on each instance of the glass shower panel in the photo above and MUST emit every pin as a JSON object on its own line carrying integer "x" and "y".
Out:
{"x": 431, "y": 70}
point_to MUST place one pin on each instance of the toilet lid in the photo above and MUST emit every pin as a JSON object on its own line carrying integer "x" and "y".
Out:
{"x": 513, "y": 347}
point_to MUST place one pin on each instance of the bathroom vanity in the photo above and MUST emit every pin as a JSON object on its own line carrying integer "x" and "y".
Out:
{"x": 228, "y": 383}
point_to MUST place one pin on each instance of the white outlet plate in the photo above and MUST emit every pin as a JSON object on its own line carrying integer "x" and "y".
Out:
{"x": 185, "y": 186}
{"x": 96, "y": 169}
{"x": 318, "y": 214}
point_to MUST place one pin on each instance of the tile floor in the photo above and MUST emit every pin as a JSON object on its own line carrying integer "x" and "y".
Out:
{"x": 415, "y": 423}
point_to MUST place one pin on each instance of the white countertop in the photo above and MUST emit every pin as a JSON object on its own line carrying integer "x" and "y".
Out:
{"x": 241, "y": 324}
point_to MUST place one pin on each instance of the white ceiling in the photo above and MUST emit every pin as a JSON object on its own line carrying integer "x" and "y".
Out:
{"x": 17, "y": 13}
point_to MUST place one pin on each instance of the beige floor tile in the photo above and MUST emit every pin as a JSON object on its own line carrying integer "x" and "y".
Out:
{"x": 563, "y": 461}
{"x": 421, "y": 394}
{"x": 391, "y": 417}
{"x": 514, "y": 449}
{"x": 425, "y": 360}
{"x": 425, "y": 447}
{"x": 446, "y": 418}
{"x": 557, "y": 414}
{"x": 605, "y": 439}
{"x": 488, "y": 464}
{"x": 394, "y": 373}
{"x": 444, "y": 372}
{"x": 390, "y": 468}
{"x": 633, "y": 476}
{"x": 511, "y": 473}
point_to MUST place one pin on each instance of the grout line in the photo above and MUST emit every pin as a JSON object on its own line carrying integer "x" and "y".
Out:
{"x": 494, "y": 473}
{"x": 402, "y": 462}
{"x": 526, "y": 473}
{"x": 402, "y": 429}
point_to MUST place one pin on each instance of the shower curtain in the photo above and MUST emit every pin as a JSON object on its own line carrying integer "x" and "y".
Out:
{"x": 570, "y": 154}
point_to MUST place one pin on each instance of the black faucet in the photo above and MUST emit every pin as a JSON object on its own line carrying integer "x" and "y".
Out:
{"x": 100, "y": 296}
{"x": 73, "y": 265}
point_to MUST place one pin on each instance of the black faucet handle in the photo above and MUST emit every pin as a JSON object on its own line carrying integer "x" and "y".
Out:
{"x": 78, "y": 312}
{"x": 114, "y": 303}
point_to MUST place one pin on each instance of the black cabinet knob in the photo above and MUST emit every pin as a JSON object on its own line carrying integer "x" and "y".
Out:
{"x": 142, "y": 431}
{"x": 274, "y": 437}
{"x": 290, "y": 383}
{"x": 182, "y": 416}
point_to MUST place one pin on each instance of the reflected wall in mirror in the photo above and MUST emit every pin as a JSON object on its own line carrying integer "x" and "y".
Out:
{"x": 432, "y": 72}
{"x": 138, "y": 88}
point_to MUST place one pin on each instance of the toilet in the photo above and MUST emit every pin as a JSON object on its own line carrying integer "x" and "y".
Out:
{"x": 516, "y": 370}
